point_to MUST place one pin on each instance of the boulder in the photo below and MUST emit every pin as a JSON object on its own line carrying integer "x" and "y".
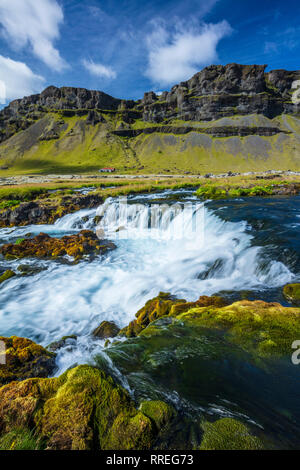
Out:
{"x": 106, "y": 329}
{"x": 24, "y": 359}
{"x": 292, "y": 293}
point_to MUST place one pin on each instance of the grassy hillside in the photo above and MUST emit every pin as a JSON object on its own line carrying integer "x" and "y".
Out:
{"x": 60, "y": 144}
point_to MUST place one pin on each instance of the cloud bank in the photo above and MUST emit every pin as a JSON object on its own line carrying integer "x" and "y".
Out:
{"x": 18, "y": 80}
{"x": 174, "y": 57}
{"x": 35, "y": 23}
{"x": 99, "y": 70}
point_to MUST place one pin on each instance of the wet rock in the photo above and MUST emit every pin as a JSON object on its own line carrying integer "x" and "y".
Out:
{"x": 28, "y": 270}
{"x": 64, "y": 341}
{"x": 292, "y": 293}
{"x": 44, "y": 246}
{"x": 7, "y": 275}
{"x": 24, "y": 359}
{"x": 83, "y": 409}
{"x": 106, "y": 329}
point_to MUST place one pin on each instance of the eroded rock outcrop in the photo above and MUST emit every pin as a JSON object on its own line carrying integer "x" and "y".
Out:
{"x": 217, "y": 91}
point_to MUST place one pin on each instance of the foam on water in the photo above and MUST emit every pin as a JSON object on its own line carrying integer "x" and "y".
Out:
{"x": 171, "y": 254}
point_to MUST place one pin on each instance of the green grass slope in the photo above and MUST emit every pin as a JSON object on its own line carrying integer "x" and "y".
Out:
{"x": 79, "y": 147}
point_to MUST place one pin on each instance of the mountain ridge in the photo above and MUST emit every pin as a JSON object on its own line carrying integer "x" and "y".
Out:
{"x": 231, "y": 101}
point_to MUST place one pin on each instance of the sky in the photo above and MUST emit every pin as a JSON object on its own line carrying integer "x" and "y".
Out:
{"x": 126, "y": 48}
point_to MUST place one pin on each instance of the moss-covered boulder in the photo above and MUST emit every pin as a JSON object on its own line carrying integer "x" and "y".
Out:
{"x": 44, "y": 246}
{"x": 292, "y": 293}
{"x": 80, "y": 410}
{"x": 158, "y": 411}
{"x": 228, "y": 434}
{"x": 7, "y": 275}
{"x": 24, "y": 359}
{"x": 163, "y": 305}
{"x": 106, "y": 329}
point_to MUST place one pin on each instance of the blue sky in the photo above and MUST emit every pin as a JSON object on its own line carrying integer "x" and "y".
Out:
{"x": 128, "y": 47}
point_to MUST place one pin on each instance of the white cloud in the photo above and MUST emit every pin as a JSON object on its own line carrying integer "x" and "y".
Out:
{"x": 34, "y": 22}
{"x": 271, "y": 47}
{"x": 174, "y": 57}
{"x": 18, "y": 79}
{"x": 99, "y": 70}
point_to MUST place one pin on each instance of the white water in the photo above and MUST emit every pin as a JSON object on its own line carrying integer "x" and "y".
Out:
{"x": 171, "y": 256}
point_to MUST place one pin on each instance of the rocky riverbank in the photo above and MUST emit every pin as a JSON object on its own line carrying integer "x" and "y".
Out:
{"x": 46, "y": 210}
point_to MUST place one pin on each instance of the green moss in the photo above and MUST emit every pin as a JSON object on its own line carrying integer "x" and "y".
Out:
{"x": 211, "y": 191}
{"x": 20, "y": 439}
{"x": 158, "y": 411}
{"x": 264, "y": 329}
{"x": 80, "y": 410}
{"x": 228, "y": 434}
{"x": 19, "y": 241}
{"x": 9, "y": 204}
{"x": 292, "y": 293}
{"x": 7, "y": 275}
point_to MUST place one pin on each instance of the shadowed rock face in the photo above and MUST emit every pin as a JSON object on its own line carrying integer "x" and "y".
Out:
{"x": 217, "y": 91}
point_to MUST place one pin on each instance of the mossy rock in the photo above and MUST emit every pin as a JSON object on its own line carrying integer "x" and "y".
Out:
{"x": 292, "y": 293}
{"x": 228, "y": 434}
{"x": 82, "y": 409}
{"x": 7, "y": 275}
{"x": 260, "y": 328}
{"x": 158, "y": 411}
{"x": 44, "y": 246}
{"x": 106, "y": 329}
{"x": 163, "y": 305}
{"x": 24, "y": 359}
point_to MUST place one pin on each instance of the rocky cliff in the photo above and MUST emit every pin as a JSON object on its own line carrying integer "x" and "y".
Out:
{"x": 216, "y": 102}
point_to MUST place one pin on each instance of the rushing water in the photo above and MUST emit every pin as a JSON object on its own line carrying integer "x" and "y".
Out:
{"x": 167, "y": 242}
{"x": 227, "y": 250}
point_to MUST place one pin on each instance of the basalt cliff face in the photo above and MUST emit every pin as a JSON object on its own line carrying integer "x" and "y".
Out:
{"x": 73, "y": 127}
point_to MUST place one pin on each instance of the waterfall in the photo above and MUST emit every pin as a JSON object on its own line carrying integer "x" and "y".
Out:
{"x": 185, "y": 249}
